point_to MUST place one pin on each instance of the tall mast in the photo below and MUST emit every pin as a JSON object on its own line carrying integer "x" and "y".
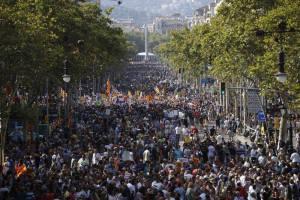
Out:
{"x": 146, "y": 42}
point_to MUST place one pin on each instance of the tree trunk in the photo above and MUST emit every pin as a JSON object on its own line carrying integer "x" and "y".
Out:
{"x": 3, "y": 139}
{"x": 227, "y": 99}
{"x": 282, "y": 137}
{"x": 244, "y": 110}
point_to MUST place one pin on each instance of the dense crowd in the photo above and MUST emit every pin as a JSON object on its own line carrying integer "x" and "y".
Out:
{"x": 164, "y": 150}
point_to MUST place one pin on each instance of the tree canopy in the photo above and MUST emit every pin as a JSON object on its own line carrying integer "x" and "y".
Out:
{"x": 137, "y": 39}
{"x": 36, "y": 36}
{"x": 230, "y": 44}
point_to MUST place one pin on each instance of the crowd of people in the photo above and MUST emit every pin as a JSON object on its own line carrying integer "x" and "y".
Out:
{"x": 168, "y": 149}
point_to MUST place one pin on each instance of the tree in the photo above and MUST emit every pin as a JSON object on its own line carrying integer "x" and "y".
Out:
{"x": 37, "y": 35}
{"x": 231, "y": 45}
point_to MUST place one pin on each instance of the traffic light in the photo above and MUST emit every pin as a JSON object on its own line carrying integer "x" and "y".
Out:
{"x": 222, "y": 88}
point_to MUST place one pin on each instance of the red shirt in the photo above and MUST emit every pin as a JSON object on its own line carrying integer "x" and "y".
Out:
{"x": 242, "y": 192}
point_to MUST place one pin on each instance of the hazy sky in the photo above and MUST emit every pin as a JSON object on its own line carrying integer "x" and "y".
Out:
{"x": 160, "y": 6}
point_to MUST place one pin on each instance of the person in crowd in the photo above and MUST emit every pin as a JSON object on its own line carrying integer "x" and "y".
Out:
{"x": 147, "y": 150}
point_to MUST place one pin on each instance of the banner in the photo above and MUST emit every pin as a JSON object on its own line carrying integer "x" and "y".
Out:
{"x": 108, "y": 88}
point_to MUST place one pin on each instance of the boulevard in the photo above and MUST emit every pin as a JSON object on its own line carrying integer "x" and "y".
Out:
{"x": 149, "y": 99}
{"x": 157, "y": 142}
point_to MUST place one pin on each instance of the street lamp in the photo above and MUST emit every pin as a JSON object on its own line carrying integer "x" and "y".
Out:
{"x": 66, "y": 79}
{"x": 290, "y": 132}
{"x": 281, "y": 76}
{"x": 66, "y": 76}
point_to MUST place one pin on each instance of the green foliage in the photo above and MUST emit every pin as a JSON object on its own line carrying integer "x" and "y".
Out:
{"x": 37, "y": 35}
{"x": 236, "y": 53}
{"x": 184, "y": 50}
{"x": 137, "y": 40}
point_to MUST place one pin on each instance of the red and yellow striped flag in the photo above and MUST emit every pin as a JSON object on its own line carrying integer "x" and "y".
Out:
{"x": 20, "y": 170}
{"x": 108, "y": 88}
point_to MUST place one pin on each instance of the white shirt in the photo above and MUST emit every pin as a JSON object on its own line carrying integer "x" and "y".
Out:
{"x": 243, "y": 180}
{"x": 83, "y": 162}
{"x": 146, "y": 155}
{"x": 253, "y": 153}
{"x": 184, "y": 131}
{"x": 188, "y": 176}
{"x": 250, "y": 191}
{"x": 261, "y": 160}
{"x": 116, "y": 197}
{"x": 226, "y": 123}
{"x": 219, "y": 139}
{"x": 131, "y": 188}
{"x": 295, "y": 157}
{"x": 178, "y": 130}
{"x": 157, "y": 185}
{"x": 96, "y": 158}
{"x": 82, "y": 194}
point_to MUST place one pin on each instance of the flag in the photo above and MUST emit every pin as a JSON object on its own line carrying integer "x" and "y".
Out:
{"x": 137, "y": 93}
{"x": 148, "y": 98}
{"x": 129, "y": 94}
{"x": 108, "y": 87}
{"x": 276, "y": 123}
{"x": 262, "y": 130}
{"x": 63, "y": 94}
{"x": 20, "y": 170}
{"x": 103, "y": 96}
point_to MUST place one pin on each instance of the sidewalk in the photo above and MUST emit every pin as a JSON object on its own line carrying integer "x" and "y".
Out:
{"x": 237, "y": 137}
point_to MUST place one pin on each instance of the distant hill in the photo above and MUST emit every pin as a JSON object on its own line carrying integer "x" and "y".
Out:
{"x": 144, "y": 10}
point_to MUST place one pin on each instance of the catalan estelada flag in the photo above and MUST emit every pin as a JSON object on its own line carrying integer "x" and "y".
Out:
{"x": 108, "y": 88}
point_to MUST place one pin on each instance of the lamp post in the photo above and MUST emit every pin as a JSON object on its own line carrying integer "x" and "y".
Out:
{"x": 281, "y": 76}
{"x": 290, "y": 130}
{"x": 1, "y": 142}
{"x": 66, "y": 79}
{"x": 66, "y": 76}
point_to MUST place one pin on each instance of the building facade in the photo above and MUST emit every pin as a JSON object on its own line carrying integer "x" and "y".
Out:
{"x": 165, "y": 25}
{"x": 205, "y": 13}
{"x": 127, "y": 25}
